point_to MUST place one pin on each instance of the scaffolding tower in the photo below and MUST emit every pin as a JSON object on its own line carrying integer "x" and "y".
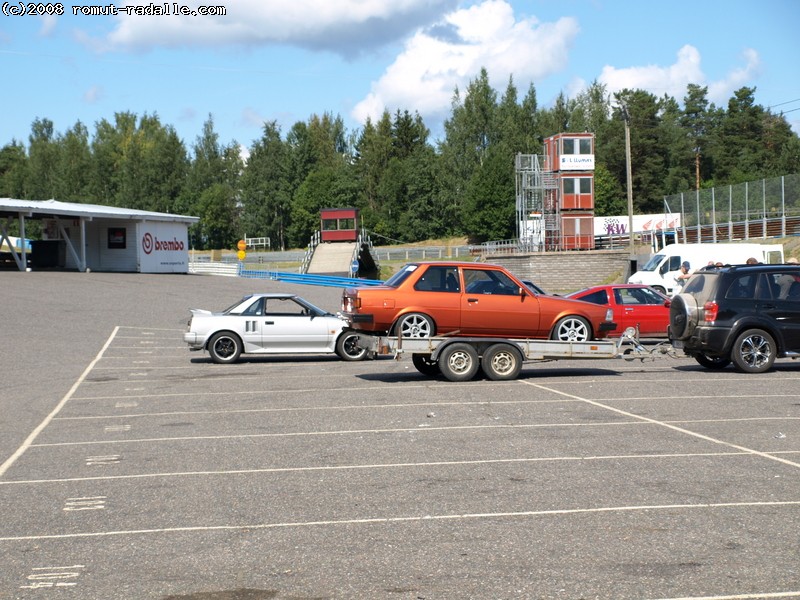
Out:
{"x": 538, "y": 218}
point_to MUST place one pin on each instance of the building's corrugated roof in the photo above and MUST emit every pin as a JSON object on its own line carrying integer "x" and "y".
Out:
{"x": 12, "y": 207}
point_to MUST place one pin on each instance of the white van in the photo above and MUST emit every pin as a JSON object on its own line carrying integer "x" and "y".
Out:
{"x": 661, "y": 269}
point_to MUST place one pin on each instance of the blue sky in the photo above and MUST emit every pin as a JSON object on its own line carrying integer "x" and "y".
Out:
{"x": 284, "y": 60}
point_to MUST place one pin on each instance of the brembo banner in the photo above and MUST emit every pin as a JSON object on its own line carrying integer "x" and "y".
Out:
{"x": 163, "y": 248}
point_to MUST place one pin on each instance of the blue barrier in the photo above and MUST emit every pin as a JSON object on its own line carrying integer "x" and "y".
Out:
{"x": 306, "y": 279}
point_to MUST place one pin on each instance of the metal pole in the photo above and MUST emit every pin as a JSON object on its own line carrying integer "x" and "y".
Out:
{"x": 714, "y": 215}
{"x": 629, "y": 176}
{"x": 783, "y": 208}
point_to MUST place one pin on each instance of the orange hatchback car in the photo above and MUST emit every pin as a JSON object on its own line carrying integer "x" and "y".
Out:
{"x": 471, "y": 299}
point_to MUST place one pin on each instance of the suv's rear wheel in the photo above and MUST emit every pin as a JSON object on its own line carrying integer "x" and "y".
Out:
{"x": 754, "y": 351}
{"x": 712, "y": 362}
{"x": 682, "y": 316}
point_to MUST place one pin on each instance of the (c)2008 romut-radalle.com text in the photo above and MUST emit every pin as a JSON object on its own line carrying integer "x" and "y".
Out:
{"x": 21, "y": 9}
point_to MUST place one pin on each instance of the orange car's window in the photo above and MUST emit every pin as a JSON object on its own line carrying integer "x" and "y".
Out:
{"x": 439, "y": 279}
{"x": 399, "y": 277}
{"x": 485, "y": 281}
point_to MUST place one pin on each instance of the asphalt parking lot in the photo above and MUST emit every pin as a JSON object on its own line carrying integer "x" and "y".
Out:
{"x": 131, "y": 468}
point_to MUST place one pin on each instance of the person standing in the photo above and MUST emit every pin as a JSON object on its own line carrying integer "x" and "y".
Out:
{"x": 683, "y": 274}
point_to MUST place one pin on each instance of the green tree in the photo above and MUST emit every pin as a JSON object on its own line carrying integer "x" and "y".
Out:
{"x": 490, "y": 206}
{"x": 676, "y": 146}
{"x": 739, "y": 154}
{"x": 219, "y": 225}
{"x": 469, "y": 133}
{"x": 43, "y": 158}
{"x": 13, "y": 168}
{"x": 219, "y": 167}
{"x": 590, "y": 109}
{"x": 610, "y": 197}
{"x": 266, "y": 190}
{"x": 648, "y": 164}
{"x": 373, "y": 150}
{"x": 74, "y": 165}
{"x": 325, "y": 187}
{"x": 695, "y": 121}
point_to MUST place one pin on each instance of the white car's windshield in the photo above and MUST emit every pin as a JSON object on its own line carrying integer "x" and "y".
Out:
{"x": 653, "y": 263}
{"x": 243, "y": 303}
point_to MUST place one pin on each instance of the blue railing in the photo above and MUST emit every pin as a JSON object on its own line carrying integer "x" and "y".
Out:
{"x": 306, "y": 279}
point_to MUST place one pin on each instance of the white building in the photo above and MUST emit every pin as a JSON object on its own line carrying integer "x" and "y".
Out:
{"x": 99, "y": 238}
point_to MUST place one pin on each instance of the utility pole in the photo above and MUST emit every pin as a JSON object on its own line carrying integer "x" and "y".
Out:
{"x": 629, "y": 177}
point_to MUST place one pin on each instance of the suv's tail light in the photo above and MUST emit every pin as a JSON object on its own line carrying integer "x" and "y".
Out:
{"x": 710, "y": 310}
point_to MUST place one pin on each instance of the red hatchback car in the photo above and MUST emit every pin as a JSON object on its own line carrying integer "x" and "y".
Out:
{"x": 633, "y": 305}
{"x": 472, "y": 299}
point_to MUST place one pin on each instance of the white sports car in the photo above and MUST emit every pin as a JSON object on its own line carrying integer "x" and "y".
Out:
{"x": 270, "y": 324}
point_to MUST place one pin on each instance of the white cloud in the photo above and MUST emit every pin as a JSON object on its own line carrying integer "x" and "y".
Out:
{"x": 252, "y": 118}
{"x": 48, "y": 25}
{"x": 449, "y": 54}
{"x": 93, "y": 94}
{"x": 673, "y": 79}
{"x": 721, "y": 91}
{"x": 345, "y": 27}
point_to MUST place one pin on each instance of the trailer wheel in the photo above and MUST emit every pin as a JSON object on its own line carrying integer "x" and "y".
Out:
{"x": 425, "y": 364}
{"x": 501, "y": 362}
{"x": 459, "y": 362}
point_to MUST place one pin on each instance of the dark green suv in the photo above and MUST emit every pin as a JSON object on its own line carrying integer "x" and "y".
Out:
{"x": 745, "y": 314}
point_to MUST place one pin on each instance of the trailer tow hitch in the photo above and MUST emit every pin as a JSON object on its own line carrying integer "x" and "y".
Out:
{"x": 631, "y": 348}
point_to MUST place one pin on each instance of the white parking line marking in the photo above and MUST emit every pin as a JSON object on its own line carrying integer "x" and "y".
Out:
{"x": 109, "y": 459}
{"x": 35, "y": 433}
{"x": 116, "y": 428}
{"x": 409, "y": 519}
{"x": 49, "y": 577}
{"x": 669, "y": 426}
{"x": 376, "y": 466}
{"x": 87, "y": 503}
{"x": 761, "y": 596}
{"x": 132, "y": 404}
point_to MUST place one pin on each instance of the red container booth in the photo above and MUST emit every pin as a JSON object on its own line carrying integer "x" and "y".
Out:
{"x": 338, "y": 224}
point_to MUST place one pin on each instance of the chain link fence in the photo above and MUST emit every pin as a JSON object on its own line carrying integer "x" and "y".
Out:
{"x": 757, "y": 209}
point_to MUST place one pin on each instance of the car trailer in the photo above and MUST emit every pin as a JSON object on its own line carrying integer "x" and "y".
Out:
{"x": 459, "y": 358}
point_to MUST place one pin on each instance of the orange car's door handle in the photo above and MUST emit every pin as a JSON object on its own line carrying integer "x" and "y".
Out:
{"x": 472, "y": 299}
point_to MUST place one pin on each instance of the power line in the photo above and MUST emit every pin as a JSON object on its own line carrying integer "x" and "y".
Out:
{"x": 787, "y": 102}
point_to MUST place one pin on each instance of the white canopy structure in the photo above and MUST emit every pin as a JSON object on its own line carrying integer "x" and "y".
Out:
{"x": 93, "y": 236}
